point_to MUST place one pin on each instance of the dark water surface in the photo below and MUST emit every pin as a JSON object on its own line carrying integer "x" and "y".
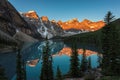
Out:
{"x": 31, "y": 54}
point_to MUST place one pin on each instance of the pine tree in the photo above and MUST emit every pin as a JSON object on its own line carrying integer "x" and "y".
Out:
{"x": 74, "y": 63}
{"x": 46, "y": 70}
{"x": 99, "y": 60}
{"x": 111, "y": 52}
{"x": 83, "y": 66}
{"x": 2, "y": 74}
{"x": 50, "y": 68}
{"x": 89, "y": 63}
{"x": 24, "y": 71}
{"x": 58, "y": 74}
{"x": 114, "y": 51}
{"x": 109, "y": 17}
{"x": 20, "y": 68}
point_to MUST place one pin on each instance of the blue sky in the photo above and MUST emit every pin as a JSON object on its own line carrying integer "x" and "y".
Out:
{"x": 67, "y": 9}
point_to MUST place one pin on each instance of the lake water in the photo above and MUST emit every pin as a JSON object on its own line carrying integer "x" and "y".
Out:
{"x": 31, "y": 54}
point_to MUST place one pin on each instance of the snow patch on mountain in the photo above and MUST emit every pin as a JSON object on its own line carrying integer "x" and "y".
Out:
{"x": 43, "y": 30}
{"x": 45, "y": 27}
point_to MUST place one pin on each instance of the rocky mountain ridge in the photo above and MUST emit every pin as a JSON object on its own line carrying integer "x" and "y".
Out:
{"x": 85, "y": 25}
{"x": 53, "y": 28}
{"x": 42, "y": 25}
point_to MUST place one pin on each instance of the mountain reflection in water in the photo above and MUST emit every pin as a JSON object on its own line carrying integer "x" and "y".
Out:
{"x": 31, "y": 54}
{"x": 65, "y": 51}
{"x": 61, "y": 57}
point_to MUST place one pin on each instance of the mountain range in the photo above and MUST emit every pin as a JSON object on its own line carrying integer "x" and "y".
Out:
{"x": 13, "y": 22}
{"x": 70, "y": 25}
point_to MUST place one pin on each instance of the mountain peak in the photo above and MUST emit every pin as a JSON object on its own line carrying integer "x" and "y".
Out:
{"x": 32, "y": 11}
{"x": 72, "y": 20}
{"x": 31, "y": 14}
{"x": 86, "y": 20}
{"x": 53, "y": 21}
{"x": 44, "y": 18}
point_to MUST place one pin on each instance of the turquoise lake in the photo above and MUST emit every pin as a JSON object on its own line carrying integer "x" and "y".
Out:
{"x": 31, "y": 55}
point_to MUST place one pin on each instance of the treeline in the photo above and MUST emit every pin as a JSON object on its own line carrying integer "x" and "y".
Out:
{"x": 85, "y": 38}
{"x": 91, "y": 37}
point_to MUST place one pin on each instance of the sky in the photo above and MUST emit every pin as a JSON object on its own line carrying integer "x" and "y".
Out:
{"x": 64, "y": 10}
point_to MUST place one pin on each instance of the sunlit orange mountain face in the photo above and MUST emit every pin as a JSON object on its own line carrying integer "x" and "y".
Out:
{"x": 44, "y": 18}
{"x": 68, "y": 51}
{"x": 31, "y": 14}
{"x": 70, "y": 24}
{"x": 84, "y": 25}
